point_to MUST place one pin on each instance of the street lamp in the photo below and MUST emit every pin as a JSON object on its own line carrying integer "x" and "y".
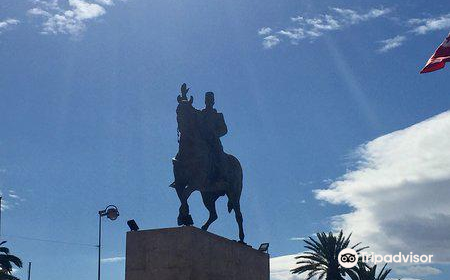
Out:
{"x": 111, "y": 212}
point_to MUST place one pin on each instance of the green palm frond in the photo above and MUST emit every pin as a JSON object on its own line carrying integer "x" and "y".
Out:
{"x": 6, "y": 263}
{"x": 4, "y": 250}
{"x": 365, "y": 272}
{"x": 6, "y": 276}
{"x": 321, "y": 258}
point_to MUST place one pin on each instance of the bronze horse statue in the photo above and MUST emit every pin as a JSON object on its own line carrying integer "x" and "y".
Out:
{"x": 192, "y": 167}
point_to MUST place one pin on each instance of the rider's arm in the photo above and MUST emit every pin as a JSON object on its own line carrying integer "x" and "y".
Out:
{"x": 221, "y": 127}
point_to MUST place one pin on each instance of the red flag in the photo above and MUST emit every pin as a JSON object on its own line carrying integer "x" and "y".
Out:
{"x": 439, "y": 58}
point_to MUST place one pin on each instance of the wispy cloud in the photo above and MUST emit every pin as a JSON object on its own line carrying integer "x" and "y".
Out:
{"x": 70, "y": 20}
{"x": 312, "y": 27}
{"x": 399, "y": 191}
{"x": 391, "y": 43}
{"x": 265, "y": 31}
{"x": 10, "y": 199}
{"x": 297, "y": 238}
{"x": 113, "y": 260}
{"x": 426, "y": 25}
{"x": 271, "y": 41}
{"x": 353, "y": 17}
{"x": 308, "y": 28}
{"x": 7, "y": 24}
{"x": 47, "y": 4}
{"x": 417, "y": 27}
{"x": 105, "y": 2}
{"x": 12, "y": 195}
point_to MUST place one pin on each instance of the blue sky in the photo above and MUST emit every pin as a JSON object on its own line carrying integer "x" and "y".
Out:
{"x": 88, "y": 97}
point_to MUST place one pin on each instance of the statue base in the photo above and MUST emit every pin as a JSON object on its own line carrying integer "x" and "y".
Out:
{"x": 189, "y": 253}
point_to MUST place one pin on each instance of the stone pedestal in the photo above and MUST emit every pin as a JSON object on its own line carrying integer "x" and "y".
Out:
{"x": 188, "y": 253}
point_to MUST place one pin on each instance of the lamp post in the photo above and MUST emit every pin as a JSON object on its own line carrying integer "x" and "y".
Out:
{"x": 111, "y": 212}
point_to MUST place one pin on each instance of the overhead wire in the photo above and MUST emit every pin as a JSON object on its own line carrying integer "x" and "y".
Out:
{"x": 52, "y": 241}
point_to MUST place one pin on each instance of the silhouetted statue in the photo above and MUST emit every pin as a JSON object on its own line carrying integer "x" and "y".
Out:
{"x": 201, "y": 164}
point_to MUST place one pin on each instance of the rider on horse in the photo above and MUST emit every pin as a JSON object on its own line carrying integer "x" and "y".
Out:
{"x": 214, "y": 127}
{"x": 201, "y": 164}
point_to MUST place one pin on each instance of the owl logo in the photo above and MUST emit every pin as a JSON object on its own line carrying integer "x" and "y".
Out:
{"x": 348, "y": 258}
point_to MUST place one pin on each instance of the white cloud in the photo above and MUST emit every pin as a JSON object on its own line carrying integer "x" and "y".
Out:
{"x": 113, "y": 260}
{"x": 399, "y": 191}
{"x": 325, "y": 22}
{"x": 424, "y": 26}
{"x": 417, "y": 271}
{"x": 84, "y": 10}
{"x": 418, "y": 26}
{"x": 105, "y": 2}
{"x": 270, "y": 41}
{"x": 353, "y": 17}
{"x": 280, "y": 268}
{"x": 15, "y": 196}
{"x": 391, "y": 43}
{"x": 297, "y": 19}
{"x": 47, "y": 4}
{"x": 71, "y": 20}
{"x": 295, "y": 34}
{"x": 38, "y": 12}
{"x": 8, "y": 23}
{"x": 265, "y": 31}
{"x": 337, "y": 19}
{"x": 297, "y": 238}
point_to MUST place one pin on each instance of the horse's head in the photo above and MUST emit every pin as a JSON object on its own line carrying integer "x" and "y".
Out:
{"x": 186, "y": 114}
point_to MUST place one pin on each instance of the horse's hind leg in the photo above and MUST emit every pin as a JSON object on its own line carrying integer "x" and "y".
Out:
{"x": 239, "y": 220}
{"x": 209, "y": 199}
{"x": 234, "y": 200}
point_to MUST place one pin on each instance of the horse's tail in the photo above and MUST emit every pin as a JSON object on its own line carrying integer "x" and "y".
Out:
{"x": 236, "y": 182}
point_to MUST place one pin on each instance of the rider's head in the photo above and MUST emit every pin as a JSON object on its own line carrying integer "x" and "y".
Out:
{"x": 209, "y": 99}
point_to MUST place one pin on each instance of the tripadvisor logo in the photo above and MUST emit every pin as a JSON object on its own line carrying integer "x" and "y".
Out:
{"x": 348, "y": 258}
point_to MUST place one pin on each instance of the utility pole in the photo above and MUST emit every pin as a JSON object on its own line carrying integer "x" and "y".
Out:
{"x": 29, "y": 270}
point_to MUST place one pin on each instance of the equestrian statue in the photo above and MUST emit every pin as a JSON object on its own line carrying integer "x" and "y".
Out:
{"x": 201, "y": 164}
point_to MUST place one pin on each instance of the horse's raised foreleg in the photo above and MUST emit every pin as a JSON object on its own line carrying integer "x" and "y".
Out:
{"x": 209, "y": 199}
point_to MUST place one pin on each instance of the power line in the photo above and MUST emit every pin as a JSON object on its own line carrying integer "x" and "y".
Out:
{"x": 52, "y": 241}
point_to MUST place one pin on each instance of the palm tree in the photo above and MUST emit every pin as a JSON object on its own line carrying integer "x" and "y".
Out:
{"x": 365, "y": 272}
{"x": 321, "y": 260}
{"x": 6, "y": 263}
